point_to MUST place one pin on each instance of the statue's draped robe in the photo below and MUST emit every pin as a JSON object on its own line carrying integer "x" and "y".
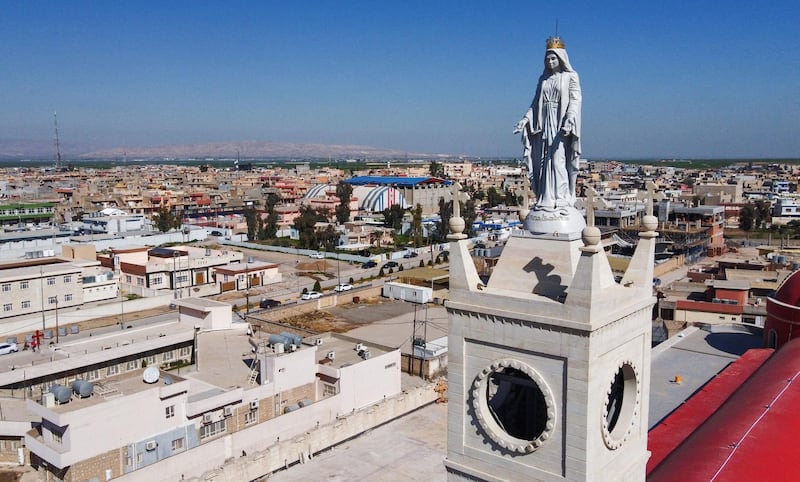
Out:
{"x": 552, "y": 157}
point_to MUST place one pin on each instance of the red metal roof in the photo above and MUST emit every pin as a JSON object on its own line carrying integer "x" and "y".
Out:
{"x": 752, "y": 436}
{"x": 681, "y": 423}
{"x": 789, "y": 291}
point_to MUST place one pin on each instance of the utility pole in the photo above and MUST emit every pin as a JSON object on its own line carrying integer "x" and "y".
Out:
{"x": 58, "y": 144}
{"x": 56, "y": 319}
{"x": 41, "y": 288}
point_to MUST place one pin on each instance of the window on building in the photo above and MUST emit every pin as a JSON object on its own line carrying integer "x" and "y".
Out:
{"x": 56, "y": 437}
{"x": 92, "y": 375}
{"x": 133, "y": 364}
{"x": 168, "y": 355}
{"x": 8, "y": 307}
{"x": 51, "y": 281}
{"x": 186, "y": 351}
{"x": 26, "y": 304}
{"x": 23, "y": 285}
{"x": 211, "y": 429}
{"x": 328, "y": 390}
{"x": 156, "y": 281}
{"x": 51, "y": 300}
{"x": 169, "y": 411}
{"x": 128, "y": 278}
{"x": 139, "y": 458}
{"x": 140, "y": 281}
{"x": 68, "y": 279}
{"x": 112, "y": 370}
{"x": 251, "y": 417}
{"x": 68, "y": 297}
{"x": 183, "y": 278}
{"x": 177, "y": 444}
{"x": 6, "y": 287}
{"x": 151, "y": 360}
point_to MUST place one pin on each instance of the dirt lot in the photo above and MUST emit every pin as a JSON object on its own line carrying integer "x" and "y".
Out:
{"x": 319, "y": 321}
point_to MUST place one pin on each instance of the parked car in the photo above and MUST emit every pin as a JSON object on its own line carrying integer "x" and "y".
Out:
{"x": 316, "y": 255}
{"x": 369, "y": 264}
{"x": 311, "y": 295}
{"x": 216, "y": 233}
{"x": 391, "y": 264}
{"x": 410, "y": 254}
{"x": 267, "y": 303}
{"x": 343, "y": 287}
{"x": 6, "y": 348}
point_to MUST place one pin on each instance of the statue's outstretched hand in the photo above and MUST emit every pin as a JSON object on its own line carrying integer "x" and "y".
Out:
{"x": 520, "y": 126}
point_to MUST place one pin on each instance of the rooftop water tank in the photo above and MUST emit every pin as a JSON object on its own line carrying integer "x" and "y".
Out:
{"x": 82, "y": 388}
{"x": 62, "y": 393}
{"x": 291, "y": 408}
{"x": 305, "y": 402}
{"x": 273, "y": 339}
{"x": 295, "y": 339}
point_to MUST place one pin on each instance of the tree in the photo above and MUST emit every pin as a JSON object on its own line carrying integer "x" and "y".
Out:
{"x": 305, "y": 225}
{"x": 747, "y": 217}
{"x": 271, "y": 227}
{"x": 762, "y": 213}
{"x": 493, "y": 198}
{"x": 436, "y": 169}
{"x": 416, "y": 226}
{"x": 470, "y": 214}
{"x": 251, "y": 217}
{"x": 165, "y": 219}
{"x": 343, "y": 192}
{"x": 317, "y": 286}
{"x": 443, "y": 226}
{"x": 393, "y": 216}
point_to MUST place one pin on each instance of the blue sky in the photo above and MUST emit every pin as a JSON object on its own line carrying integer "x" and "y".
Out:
{"x": 659, "y": 79}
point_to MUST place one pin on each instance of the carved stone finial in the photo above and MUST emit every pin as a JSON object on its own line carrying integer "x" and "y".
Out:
{"x": 456, "y": 223}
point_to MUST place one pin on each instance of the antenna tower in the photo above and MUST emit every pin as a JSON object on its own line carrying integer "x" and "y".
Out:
{"x": 58, "y": 144}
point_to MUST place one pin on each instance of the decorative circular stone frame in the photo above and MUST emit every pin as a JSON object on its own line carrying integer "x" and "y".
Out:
{"x": 535, "y": 434}
{"x": 621, "y": 405}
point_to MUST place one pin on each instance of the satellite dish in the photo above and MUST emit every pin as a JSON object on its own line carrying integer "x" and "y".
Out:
{"x": 151, "y": 375}
{"x": 168, "y": 380}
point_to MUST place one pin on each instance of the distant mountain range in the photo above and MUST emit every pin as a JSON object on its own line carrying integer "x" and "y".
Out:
{"x": 247, "y": 150}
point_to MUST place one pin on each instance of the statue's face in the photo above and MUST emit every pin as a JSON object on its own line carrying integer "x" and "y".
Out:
{"x": 551, "y": 61}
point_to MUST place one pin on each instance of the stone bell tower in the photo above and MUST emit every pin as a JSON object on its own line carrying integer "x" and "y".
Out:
{"x": 549, "y": 362}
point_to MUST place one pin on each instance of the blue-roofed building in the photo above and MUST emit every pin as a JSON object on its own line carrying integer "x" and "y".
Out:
{"x": 406, "y": 191}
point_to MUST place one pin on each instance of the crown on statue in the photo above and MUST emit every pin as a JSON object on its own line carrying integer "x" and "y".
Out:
{"x": 555, "y": 43}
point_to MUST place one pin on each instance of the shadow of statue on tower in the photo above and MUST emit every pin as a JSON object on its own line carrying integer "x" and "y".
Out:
{"x": 547, "y": 285}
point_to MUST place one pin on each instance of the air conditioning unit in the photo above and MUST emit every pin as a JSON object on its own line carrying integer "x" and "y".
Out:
{"x": 365, "y": 354}
{"x": 150, "y": 445}
{"x": 318, "y": 341}
{"x": 48, "y": 399}
{"x": 359, "y": 346}
{"x": 331, "y": 355}
{"x": 292, "y": 347}
{"x": 227, "y": 412}
{"x": 208, "y": 418}
{"x": 254, "y": 405}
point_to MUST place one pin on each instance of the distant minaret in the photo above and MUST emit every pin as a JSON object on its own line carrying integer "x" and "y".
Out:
{"x": 58, "y": 144}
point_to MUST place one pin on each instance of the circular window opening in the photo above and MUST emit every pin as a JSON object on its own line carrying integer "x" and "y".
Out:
{"x": 513, "y": 405}
{"x": 516, "y": 403}
{"x": 621, "y": 403}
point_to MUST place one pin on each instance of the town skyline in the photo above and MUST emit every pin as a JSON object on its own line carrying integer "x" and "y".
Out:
{"x": 659, "y": 81}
